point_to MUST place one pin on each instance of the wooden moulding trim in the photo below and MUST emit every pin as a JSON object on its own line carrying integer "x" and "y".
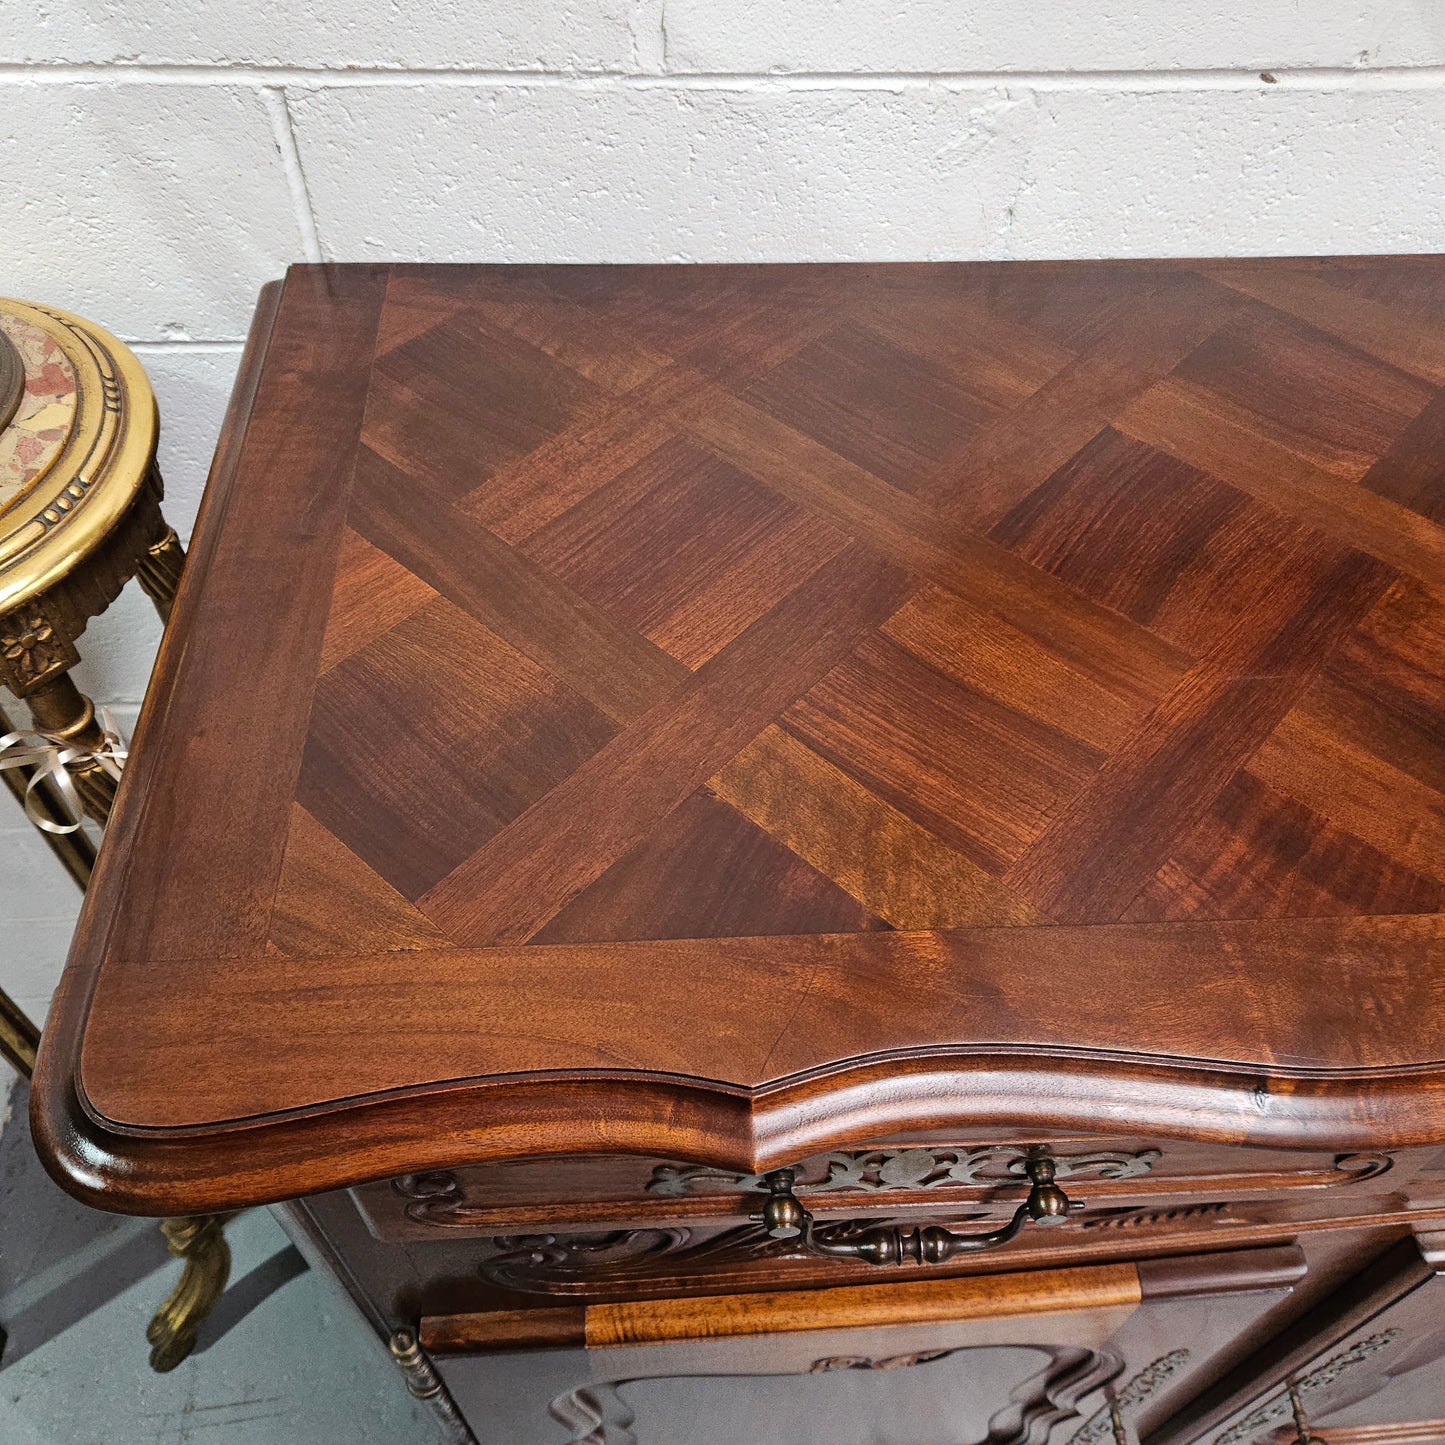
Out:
{"x": 1410, "y": 1432}
{"x": 1247, "y": 1271}
{"x": 497, "y": 1330}
{"x": 1282, "y": 1000}
{"x": 448, "y": 1124}
{"x": 906, "y": 1302}
{"x": 175, "y": 1172}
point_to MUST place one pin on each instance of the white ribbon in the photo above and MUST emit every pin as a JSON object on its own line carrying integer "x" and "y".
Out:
{"x": 52, "y": 757}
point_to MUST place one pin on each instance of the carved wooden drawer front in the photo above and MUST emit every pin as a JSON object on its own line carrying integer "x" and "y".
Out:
{"x": 1370, "y": 1359}
{"x": 1018, "y": 1357}
{"x": 978, "y": 1179}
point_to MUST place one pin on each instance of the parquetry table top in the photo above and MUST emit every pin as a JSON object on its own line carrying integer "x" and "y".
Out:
{"x": 692, "y": 708}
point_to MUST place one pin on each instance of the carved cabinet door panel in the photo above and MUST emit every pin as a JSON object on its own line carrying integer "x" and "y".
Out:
{"x": 1365, "y": 1368}
{"x": 1004, "y": 1360}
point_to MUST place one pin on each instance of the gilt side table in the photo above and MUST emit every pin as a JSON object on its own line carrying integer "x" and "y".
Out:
{"x": 810, "y": 853}
{"x": 80, "y": 515}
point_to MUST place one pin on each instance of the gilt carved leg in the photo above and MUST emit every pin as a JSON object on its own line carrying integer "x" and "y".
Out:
{"x": 159, "y": 571}
{"x": 198, "y": 1241}
{"x": 74, "y": 848}
{"x": 67, "y": 716}
{"x": 19, "y": 1038}
{"x": 158, "y": 568}
{"x": 37, "y": 651}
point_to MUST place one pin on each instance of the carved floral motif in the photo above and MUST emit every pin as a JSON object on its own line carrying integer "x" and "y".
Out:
{"x": 27, "y": 643}
{"x": 829, "y": 1363}
{"x": 30, "y": 647}
{"x": 1277, "y": 1410}
{"x": 1099, "y": 1428}
{"x": 921, "y": 1168}
{"x": 439, "y": 1199}
{"x": 562, "y": 1264}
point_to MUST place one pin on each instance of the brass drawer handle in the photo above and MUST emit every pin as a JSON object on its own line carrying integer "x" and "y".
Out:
{"x": 785, "y": 1218}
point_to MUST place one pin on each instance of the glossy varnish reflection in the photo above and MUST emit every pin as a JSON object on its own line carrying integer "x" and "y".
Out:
{"x": 702, "y": 710}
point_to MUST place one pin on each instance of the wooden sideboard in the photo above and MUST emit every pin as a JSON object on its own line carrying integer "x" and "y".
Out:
{"x": 808, "y": 853}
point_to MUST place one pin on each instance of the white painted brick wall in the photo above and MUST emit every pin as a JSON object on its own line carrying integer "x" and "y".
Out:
{"x": 160, "y": 159}
{"x": 929, "y": 37}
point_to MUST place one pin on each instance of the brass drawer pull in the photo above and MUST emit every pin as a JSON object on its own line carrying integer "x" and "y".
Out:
{"x": 785, "y": 1218}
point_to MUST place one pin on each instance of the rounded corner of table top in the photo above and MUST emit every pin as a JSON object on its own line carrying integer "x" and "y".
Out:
{"x": 1104, "y": 769}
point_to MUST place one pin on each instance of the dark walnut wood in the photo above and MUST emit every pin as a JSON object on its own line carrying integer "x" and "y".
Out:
{"x": 1153, "y": 1332}
{"x": 726, "y": 714}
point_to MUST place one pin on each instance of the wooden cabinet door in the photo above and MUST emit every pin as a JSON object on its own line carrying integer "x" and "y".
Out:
{"x": 1015, "y": 1359}
{"x": 1368, "y": 1366}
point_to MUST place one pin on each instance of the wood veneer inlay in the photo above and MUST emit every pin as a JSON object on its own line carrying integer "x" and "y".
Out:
{"x": 753, "y": 695}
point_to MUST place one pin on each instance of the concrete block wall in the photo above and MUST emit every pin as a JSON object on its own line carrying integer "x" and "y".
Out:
{"x": 160, "y": 159}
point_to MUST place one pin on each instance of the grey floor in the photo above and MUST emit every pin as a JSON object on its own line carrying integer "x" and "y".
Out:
{"x": 281, "y": 1361}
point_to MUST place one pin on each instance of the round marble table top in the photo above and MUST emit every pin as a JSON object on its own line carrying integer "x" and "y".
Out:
{"x": 76, "y": 450}
{"x": 45, "y": 415}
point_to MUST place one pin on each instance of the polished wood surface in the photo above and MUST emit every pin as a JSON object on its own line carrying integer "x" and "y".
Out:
{"x": 1368, "y": 1355}
{"x": 607, "y": 1326}
{"x": 724, "y": 713}
{"x": 1148, "y": 1338}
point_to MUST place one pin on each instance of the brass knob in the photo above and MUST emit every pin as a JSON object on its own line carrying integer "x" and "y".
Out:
{"x": 783, "y": 1216}
{"x": 1047, "y": 1203}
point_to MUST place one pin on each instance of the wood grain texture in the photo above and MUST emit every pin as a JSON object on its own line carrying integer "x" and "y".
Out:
{"x": 584, "y": 671}
{"x": 1104, "y": 1287}
{"x": 508, "y": 889}
{"x": 299, "y": 443}
{"x": 1368, "y": 1351}
{"x": 1113, "y": 1289}
{"x": 1274, "y": 994}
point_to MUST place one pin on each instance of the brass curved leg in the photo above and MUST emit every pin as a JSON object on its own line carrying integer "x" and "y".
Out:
{"x": 159, "y": 571}
{"x": 19, "y": 1038}
{"x": 198, "y": 1240}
